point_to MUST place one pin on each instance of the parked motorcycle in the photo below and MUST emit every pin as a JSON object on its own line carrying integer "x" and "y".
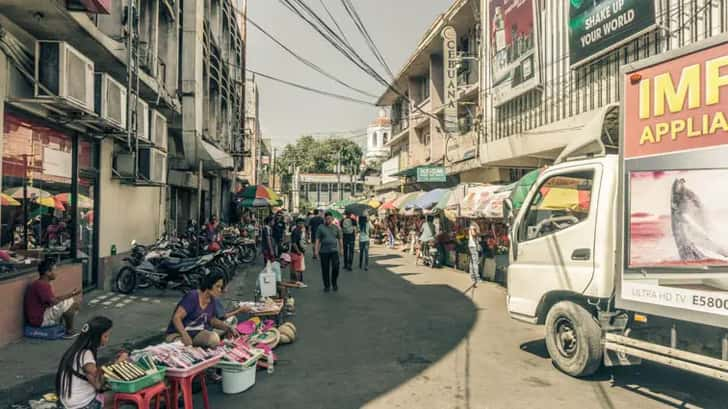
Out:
{"x": 155, "y": 267}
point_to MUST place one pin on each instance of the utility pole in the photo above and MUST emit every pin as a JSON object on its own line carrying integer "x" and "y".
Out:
{"x": 273, "y": 173}
{"x": 338, "y": 175}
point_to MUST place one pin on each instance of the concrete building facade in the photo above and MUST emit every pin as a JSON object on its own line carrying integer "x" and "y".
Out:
{"x": 113, "y": 119}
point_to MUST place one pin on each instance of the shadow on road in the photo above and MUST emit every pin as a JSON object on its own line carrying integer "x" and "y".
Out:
{"x": 672, "y": 387}
{"x": 376, "y": 333}
{"x": 536, "y": 347}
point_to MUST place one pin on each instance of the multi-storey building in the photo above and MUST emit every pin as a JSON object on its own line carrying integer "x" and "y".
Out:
{"x": 553, "y": 67}
{"x": 249, "y": 173}
{"x": 114, "y": 116}
{"x": 435, "y": 101}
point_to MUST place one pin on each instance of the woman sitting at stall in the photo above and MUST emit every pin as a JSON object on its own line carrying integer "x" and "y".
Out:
{"x": 79, "y": 379}
{"x": 195, "y": 316}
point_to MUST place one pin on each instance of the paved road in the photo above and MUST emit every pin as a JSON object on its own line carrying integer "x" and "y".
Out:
{"x": 401, "y": 336}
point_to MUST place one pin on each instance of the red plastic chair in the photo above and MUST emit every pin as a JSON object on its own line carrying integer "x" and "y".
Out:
{"x": 185, "y": 385}
{"x": 143, "y": 398}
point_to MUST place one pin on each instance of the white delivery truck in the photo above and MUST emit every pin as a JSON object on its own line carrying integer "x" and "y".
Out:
{"x": 623, "y": 256}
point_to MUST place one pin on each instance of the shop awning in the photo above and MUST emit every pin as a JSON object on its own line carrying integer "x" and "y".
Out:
{"x": 408, "y": 172}
{"x": 428, "y": 200}
{"x": 214, "y": 158}
{"x": 405, "y": 199}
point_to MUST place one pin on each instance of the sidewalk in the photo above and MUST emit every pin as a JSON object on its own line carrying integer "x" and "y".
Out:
{"x": 29, "y": 365}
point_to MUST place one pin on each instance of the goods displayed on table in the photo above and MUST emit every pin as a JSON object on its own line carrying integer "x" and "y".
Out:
{"x": 176, "y": 355}
{"x": 266, "y": 306}
{"x": 132, "y": 376}
{"x": 239, "y": 352}
{"x": 124, "y": 371}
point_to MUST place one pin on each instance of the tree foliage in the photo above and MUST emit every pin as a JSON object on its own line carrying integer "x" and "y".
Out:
{"x": 319, "y": 156}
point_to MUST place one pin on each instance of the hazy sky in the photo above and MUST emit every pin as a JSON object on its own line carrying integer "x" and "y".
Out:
{"x": 287, "y": 113}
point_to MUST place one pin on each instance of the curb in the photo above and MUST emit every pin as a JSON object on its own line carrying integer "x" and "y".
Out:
{"x": 34, "y": 388}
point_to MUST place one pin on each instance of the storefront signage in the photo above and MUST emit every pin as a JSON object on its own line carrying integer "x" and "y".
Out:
{"x": 431, "y": 174}
{"x": 597, "y": 27}
{"x": 450, "y": 64}
{"x": 675, "y": 253}
{"x": 513, "y": 52}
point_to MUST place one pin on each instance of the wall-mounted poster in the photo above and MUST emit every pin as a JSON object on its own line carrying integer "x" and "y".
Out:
{"x": 598, "y": 26}
{"x": 513, "y": 49}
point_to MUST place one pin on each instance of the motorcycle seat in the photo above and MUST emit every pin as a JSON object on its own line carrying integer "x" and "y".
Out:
{"x": 178, "y": 263}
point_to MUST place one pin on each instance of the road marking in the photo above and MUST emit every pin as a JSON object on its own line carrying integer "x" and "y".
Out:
{"x": 106, "y": 303}
{"x": 145, "y": 299}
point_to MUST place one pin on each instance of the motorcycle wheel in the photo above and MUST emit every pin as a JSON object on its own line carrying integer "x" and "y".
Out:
{"x": 248, "y": 254}
{"x": 191, "y": 281}
{"x": 126, "y": 280}
{"x": 222, "y": 271}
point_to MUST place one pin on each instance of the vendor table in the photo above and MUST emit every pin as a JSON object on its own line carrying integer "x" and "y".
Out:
{"x": 182, "y": 379}
{"x": 275, "y": 312}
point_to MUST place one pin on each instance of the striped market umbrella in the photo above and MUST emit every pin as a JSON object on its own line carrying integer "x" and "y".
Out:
{"x": 51, "y": 202}
{"x": 30, "y": 192}
{"x": 7, "y": 200}
{"x": 84, "y": 202}
{"x": 257, "y": 195}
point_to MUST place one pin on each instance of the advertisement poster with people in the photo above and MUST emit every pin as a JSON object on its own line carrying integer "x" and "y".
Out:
{"x": 674, "y": 145}
{"x": 597, "y": 26}
{"x": 513, "y": 48}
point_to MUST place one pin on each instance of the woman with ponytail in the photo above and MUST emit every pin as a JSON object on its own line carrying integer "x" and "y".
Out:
{"x": 79, "y": 379}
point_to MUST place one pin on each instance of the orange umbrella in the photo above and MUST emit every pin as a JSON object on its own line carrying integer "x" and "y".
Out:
{"x": 7, "y": 200}
{"x": 51, "y": 202}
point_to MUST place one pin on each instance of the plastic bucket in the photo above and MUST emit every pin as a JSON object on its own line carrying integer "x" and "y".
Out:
{"x": 238, "y": 380}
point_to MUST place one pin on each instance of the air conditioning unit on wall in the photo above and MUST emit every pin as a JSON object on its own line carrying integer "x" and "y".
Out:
{"x": 110, "y": 99}
{"x": 141, "y": 119}
{"x": 152, "y": 165}
{"x": 62, "y": 71}
{"x": 159, "y": 130}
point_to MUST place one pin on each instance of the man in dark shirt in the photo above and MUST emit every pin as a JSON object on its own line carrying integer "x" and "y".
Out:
{"x": 279, "y": 232}
{"x": 314, "y": 224}
{"x": 43, "y": 308}
{"x": 266, "y": 240}
{"x": 329, "y": 245}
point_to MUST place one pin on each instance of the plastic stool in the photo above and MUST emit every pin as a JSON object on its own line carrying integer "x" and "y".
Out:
{"x": 143, "y": 398}
{"x": 185, "y": 386}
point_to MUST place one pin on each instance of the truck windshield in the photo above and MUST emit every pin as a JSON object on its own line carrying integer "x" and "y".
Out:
{"x": 561, "y": 202}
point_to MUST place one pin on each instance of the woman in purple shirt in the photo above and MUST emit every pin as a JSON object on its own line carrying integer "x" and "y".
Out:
{"x": 196, "y": 315}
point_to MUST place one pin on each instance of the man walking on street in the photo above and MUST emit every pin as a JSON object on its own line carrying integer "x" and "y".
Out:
{"x": 349, "y": 230}
{"x": 314, "y": 224}
{"x": 329, "y": 245}
{"x": 279, "y": 232}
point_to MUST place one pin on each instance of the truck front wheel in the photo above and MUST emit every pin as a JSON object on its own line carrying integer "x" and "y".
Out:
{"x": 573, "y": 339}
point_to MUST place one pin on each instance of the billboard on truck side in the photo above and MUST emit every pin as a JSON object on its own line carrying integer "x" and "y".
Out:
{"x": 674, "y": 219}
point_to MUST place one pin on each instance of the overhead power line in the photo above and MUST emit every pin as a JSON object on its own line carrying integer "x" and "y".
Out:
{"x": 343, "y": 36}
{"x": 307, "y": 62}
{"x": 302, "y": 10}
{"x": 356, "y": 19}
{"x": 311, "y": 89}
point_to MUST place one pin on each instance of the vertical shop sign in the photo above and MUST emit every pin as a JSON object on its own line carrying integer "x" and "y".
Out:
{"x": 450, "y": 64}
{"x": 513, "y": 52}
{"x": 598, "y": 26}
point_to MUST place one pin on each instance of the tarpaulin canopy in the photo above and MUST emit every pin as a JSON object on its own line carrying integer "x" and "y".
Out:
{"x": 559, "y": 198}
{"x": 428, "y": 199}
{"x": 492, "y": 206}
{"x": 523, "y": 186}
{"x": 402, "y": 201}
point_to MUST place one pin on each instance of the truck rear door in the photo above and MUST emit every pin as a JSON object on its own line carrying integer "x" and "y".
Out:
{"x": 554, "y": 237}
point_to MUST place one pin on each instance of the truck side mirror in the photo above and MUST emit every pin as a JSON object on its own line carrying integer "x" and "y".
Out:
{"x": 508, "y": 219}
{"x": 508, "y": 211}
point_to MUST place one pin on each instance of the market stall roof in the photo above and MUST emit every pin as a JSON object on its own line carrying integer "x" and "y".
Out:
{"x": 402, "y": 201}
{"x": 428, "y": 199}
{"x": 492, "y": 206}
{"x": 477, "y": 197}
{"x": 523, "y": 186}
